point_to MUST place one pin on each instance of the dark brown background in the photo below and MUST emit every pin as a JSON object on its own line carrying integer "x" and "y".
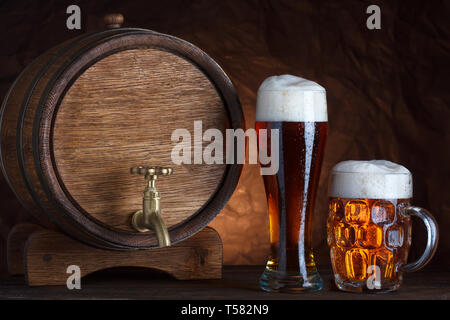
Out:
{"x": 387, "y": 89}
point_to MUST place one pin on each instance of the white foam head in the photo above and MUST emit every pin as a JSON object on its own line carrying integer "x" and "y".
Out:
{"x": 291, "y": 98}
{"x": 376, "y": 179}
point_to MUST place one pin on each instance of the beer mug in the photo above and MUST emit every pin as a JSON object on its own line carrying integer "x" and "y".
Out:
{"x": 369, "y": 225}
{"x": 291, "y": 117}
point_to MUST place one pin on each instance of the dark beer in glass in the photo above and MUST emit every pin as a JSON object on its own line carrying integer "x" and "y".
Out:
{"x": 296, "y": 109}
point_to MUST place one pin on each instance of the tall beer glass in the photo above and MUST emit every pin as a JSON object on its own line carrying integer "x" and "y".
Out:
{"x": 296, "y": 108}
{"x": 369, "y": 225}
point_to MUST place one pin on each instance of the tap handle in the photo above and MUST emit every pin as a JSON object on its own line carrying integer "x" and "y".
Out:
{"x": 151, "y": 172}
{"x": 149, "y": 218}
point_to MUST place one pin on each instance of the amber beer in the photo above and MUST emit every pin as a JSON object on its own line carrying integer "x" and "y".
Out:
{"x": 283, "y": 102}
{"x": 369, "y": 225}
{"x": 362, "y": 233}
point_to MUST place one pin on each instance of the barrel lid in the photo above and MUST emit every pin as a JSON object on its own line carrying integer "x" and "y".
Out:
{"x": 124, "y": 100}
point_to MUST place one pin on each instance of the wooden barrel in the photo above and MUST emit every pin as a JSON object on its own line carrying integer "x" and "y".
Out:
{"x": 85, "y": 112}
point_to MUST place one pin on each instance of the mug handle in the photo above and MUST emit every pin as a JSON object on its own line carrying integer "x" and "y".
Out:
{"x": 432, "y": 242}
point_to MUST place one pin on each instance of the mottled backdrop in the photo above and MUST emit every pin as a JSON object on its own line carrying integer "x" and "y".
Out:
{"x": 387, "y": 90}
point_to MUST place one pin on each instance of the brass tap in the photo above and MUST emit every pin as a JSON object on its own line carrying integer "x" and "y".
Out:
{"x": 150, "y": 217}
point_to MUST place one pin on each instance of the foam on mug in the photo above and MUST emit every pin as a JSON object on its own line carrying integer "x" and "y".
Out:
{"x": 376, "y": 179}
{"x": 291, "y": 98}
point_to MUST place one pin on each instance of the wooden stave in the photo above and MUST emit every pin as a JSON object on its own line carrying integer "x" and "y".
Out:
{"x": 19, "y": 91}
{"x": 30, "y": 185}
{"x": 25, "y": 191}
{"x": 197, "y": 222}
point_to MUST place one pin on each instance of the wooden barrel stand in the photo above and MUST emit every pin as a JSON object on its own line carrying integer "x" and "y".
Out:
{"x": 79, "y": 117}
{"x": 43, "y": 256}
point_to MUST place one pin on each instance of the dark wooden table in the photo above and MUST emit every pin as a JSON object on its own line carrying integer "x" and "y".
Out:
{"x": 239, "y": 282}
